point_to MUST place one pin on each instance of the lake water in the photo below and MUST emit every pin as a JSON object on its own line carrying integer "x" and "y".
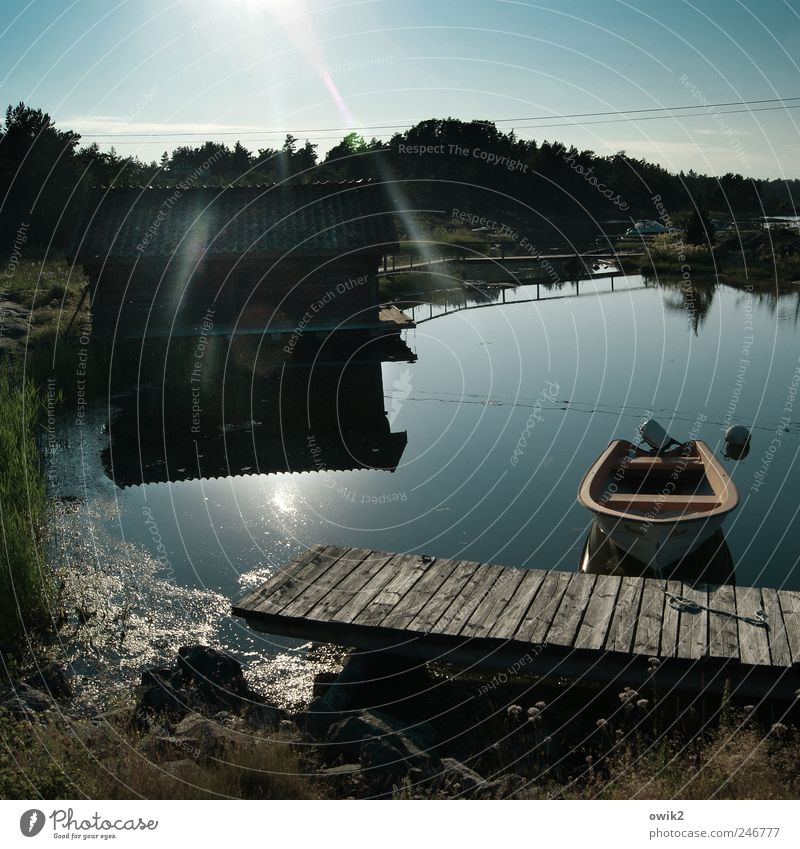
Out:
{"x": 488, "y": 434}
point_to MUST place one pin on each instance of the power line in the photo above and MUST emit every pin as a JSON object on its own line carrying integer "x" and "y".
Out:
{"x": 534, "y": 127}
{"x": 496, "y": 121}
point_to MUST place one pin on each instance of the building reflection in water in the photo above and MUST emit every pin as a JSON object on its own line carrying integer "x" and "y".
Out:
{"x": 190, "y": 408}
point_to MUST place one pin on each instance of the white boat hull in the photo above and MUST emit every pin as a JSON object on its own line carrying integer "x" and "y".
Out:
{"x": 658, "y": 543}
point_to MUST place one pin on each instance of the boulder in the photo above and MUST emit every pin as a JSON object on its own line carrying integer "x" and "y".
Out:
{"x": 458, "y": 779}
{"x": 381, "y": 741}
{"x": 28, "y": 701}
{"x": 263, "y": 717}
{"x": 162, "y": 691}
{"x": 217, "y": 677}
{"x": 318, "y": 718}
{"x": 53, "y": 679}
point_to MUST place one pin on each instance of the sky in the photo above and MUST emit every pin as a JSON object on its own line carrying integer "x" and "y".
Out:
{"x": 147, "y": 75}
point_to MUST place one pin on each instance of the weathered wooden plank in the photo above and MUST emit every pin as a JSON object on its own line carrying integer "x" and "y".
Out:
{"x": 361, "y": 599}
{"x": 506, "y": 625}
{"x": 647, "y": 639}
{"x": 536, "y": 623}
{"x": 593, "y": 630}
{"x": 623, "y": 622}
{"x": 352, "y": 584}
{"x": 723, "y": 631}
{"x": 671, "y": 623}
{"x": 790, "y": 608}
{"x": 488, "y": 612}
{"x": 431, "y": 613}
{"x": 420, "y": 595}
{"x": 753, "y": 640}
{"x": 410, "y": 568}
{"x": 471, "y": 595}
{"x": 779, "y": 652}
{"x": 571, "y": 611}
{"x": 693, "y": 631}
{"x": 301, "y": 579}
{"x": 326, "y": 583}
{"x": 254, "y": 598}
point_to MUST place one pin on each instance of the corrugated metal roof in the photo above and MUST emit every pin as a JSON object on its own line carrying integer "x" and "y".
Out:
{"x": 318, "y": 219}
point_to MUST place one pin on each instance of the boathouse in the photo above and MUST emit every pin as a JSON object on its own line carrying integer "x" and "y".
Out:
{"x": 290, "y": 261}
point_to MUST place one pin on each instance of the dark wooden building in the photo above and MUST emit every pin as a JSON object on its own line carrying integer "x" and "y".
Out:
{"x": 286, "y": 260}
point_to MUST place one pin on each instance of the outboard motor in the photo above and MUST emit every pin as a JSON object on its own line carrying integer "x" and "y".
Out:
{"x": 737, "y": 442}
{"x": 655, "y": 436}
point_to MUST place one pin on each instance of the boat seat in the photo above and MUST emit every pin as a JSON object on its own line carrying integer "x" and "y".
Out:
{"x": 670, "y": 503}
{"x": 666, "y": 463}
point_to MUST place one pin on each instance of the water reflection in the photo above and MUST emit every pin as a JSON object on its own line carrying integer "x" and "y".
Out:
{"x": 244, "y": 408}
{"x": 710, "y": 563}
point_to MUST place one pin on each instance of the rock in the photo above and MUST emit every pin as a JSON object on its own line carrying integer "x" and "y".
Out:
{"x": 202, "y": 738}
{"x": 28, "y": 701}
{"x": 264, "y": 717}
{"x": 386, "y": 760}
{"x": 375, "y": 679}
{"x": 51, "y": 678}
{"x": 161, "y": 691}
{"x": 360, "y": 736}
{"x": 457, "y": 778}
{"x": 318, "y": 718}
{"x": 216, "y": 676}
{"x": 504, "y": 787}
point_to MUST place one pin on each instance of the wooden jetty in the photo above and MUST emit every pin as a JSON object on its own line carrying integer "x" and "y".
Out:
{"x": 590, "y": 627}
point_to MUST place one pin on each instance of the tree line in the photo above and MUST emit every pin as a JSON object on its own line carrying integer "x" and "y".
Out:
{"x": 46, "y": 175}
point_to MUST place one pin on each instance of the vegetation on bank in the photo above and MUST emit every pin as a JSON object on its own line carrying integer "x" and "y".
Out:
{"x": 644, "y": 748}
{"x": 26, "y": 581}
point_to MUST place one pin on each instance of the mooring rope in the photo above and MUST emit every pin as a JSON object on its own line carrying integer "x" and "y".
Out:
{"x": 680, "y": 602}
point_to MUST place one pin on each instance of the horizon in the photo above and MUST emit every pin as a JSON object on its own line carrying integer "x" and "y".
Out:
{"x": 147, "y": 79}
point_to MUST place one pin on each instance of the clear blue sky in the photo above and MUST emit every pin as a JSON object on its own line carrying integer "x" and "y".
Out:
{"x": 261, "y": 67}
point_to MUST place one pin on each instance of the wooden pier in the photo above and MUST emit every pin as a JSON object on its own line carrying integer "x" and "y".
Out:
{"x": 590, "y": 627}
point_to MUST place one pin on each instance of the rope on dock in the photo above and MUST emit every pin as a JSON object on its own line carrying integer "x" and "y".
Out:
{"x": 687, "y": 605}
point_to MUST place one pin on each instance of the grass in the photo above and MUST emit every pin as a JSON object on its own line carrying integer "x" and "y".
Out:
{"x": 62, "y": 758}
{"x": 26, "y": 586}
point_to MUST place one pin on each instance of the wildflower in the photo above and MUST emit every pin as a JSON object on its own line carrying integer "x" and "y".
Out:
{"x": 618, "y": 734}
{"x": 653, "y": 661}
{"x": 642, "y": 703}
{"x": 543, "y": 705}
{"x": 627, "y": 696}
{"x": 601, "y": 723}
{"x": 749, "y": 708}
{"x": 514, "y": 711}
{"x": 534, "y": 714}
{"x": 778, "y": 729}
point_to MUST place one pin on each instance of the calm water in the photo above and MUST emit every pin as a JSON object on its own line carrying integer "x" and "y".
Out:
{"x": 491, "y": 430}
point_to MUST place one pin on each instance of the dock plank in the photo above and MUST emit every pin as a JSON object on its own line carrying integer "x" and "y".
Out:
{"x": 669, "y": 633}
{"x": 471, "y": 595}
{"x": 593, "y": 630}
{"x": 327, "y": 607}
{"x": 790, "y": 608}
{"x": 693, "y": 631}
{"x": 723, "y": 631}
{"x": 753, "y": 640}
{"x": 494, "y": 602}
{"x": 536, "y": 623}
{"x": 779, "y": 652}
{"x": 422, "y": 593}
{"x": 450, "y": 589}
{"x": 252, "y": 599}
{"x": 570, "y": 613}
{"x": 350, "y": 610}
{"x": 328, "y": 582}
{"x": 506, "y": 626}
{"x": 301, "y": 579}
{"x": 410, "y": 568}
{"x": 647, "y": 640}
{"x": 623, "y": 623}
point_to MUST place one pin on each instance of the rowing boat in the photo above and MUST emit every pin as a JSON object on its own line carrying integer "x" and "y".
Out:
{"x": 658, "y": 505}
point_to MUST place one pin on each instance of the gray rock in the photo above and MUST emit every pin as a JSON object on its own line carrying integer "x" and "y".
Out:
{"x": 412, "y": 745}
{"x": 161, "y": 691}
{"x": 458, "y": 778}
{"x": 318, "y": 718}
{"x": 51, "y": 678}
{"x": 503, "y": 787}
{"x": 27, "y": 701}
{"x": 263, "y": 717}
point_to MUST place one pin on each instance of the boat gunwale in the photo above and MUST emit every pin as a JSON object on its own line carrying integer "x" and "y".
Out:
{"x": 724, "y": 489}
